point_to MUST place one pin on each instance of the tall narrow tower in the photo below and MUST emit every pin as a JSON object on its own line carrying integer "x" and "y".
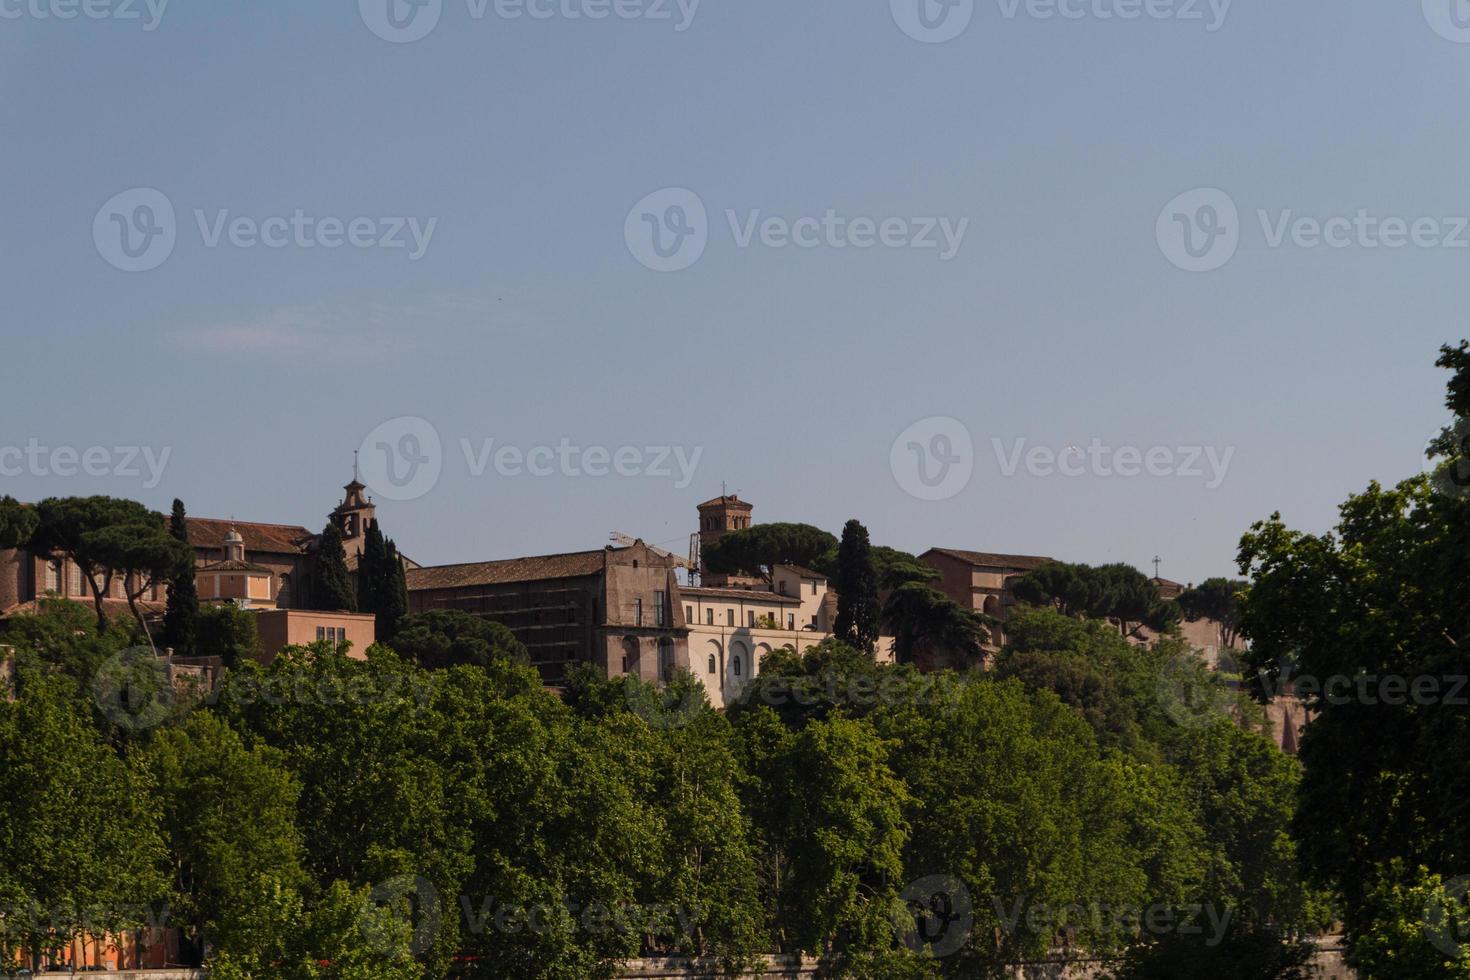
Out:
{"x": 718, "y": 518}
{"x": 353, "y": 515}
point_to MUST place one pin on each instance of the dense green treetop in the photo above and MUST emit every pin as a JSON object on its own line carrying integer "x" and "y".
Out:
{"x": 858, "y": 610}
{"x": 331, "y": 581}
{"x": 757, "y": 550}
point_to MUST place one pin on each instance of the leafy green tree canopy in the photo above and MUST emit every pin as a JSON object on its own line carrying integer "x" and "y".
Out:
{"x": 180, "y": 620}
{"x": 17, "y": 523}
{"x": 1368, "y": 624}
{"x": 443, "y": 638}
{"x": 332, "y": 582}
{"x": 858, "y": 609}
{"x": 1215, "y": 599}
{"x": 758, "y": 549}
{"x": 1116, "y": 592}
{"x": 931, "y": 629}
{"x": 108, "y": 537}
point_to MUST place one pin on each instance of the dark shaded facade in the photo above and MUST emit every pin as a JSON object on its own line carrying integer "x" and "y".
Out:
{"x": 616, "y": 608}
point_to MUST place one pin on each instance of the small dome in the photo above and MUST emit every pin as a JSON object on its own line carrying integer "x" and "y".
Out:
{"x": 234, "y": 537}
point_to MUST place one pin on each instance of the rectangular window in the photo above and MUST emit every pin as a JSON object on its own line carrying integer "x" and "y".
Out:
{"x": 53, "y": 576}
{"x": 709, "y": 617}
{"x": 637, "y": 612}
{"x": 814, "y": 588}
{"x": 750, "y": 618}
{"x": 75, "y": 574}
{"x": 791, "y": 621}
{"x": 729, "y": 617}
{"x": 660, "y": 608}
{"x": 688, "y": 614}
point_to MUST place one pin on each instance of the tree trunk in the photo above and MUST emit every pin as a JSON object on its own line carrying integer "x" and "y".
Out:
{"x": 137, "y": 613}
{"x": 99, "y": 593}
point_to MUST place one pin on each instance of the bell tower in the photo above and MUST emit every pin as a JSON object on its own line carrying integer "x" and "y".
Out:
{"x": 717, "y": 518}
{"x": 354, "y": 514}
{"x": 234, "y": 546}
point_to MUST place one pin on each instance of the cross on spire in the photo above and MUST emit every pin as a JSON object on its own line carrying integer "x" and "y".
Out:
{"x": 1157, "y": 562}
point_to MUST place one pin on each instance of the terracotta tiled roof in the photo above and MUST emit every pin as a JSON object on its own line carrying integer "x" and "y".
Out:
{"x": 992, "y": 560}
{"x": 732, "y": 501}
{"x": 235, "y": 566}
{"x": 354, "y": 560}
{"x": 803, "y": 572}
{"x": 270, "y": 539}
{"x": 574, "y": 565}
{"x": 1168, "y": 589}
{"x": 741, "y": 595}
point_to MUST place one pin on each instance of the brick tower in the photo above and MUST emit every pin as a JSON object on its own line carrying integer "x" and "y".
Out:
{"x": 718, "y": 518}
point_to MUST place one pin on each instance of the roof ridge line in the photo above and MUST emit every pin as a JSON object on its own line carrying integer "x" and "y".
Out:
{"x": 501, "y": 561}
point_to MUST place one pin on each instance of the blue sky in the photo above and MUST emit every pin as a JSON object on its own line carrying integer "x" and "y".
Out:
{"x": 1061, "y": 321}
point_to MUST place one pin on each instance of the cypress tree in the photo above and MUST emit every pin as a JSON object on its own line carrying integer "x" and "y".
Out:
{"x": 393, "y": 594}
{"x": 181, "y": 619}
{"x": 372, "y": 570}
{"x": 858, "y": 611}
{"x": 334, "y": 591}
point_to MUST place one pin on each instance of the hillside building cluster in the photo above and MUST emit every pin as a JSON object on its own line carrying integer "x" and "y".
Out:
{"x": 630, "y": 609}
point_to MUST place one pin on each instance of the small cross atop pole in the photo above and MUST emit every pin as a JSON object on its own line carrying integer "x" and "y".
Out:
{"x": 354, "y": 466}
{"x": 1157, "y": 562}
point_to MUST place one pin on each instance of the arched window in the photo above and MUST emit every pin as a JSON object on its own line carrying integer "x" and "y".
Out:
{"x": 711, "y": 663}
